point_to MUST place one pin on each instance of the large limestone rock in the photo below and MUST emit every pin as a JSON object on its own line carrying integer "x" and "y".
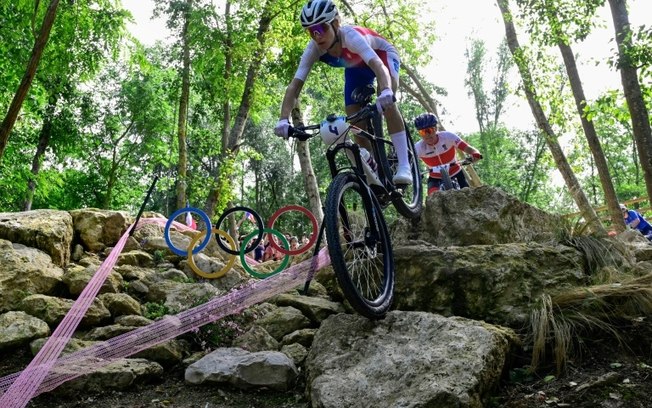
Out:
{"x": 25, "y": 271}
{"x": 98, "y": 229}
{"x": 48, "y": 230}
{"x": 481, "y": 216}
{"x": 498, "y": 283}
{"x": 409, "y": 359}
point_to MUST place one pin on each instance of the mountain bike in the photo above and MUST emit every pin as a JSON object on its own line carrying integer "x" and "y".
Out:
{"x": 359, "y": 244}
{"x": 447, "y": 182}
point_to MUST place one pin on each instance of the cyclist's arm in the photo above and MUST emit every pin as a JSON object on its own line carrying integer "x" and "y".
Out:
{"x": 290, "y": 99}
{"x": 470, "y": 150}
{"x": 382, "y": 74}
{"x": 466, "y": 148}
{"x": 309, "y": 57}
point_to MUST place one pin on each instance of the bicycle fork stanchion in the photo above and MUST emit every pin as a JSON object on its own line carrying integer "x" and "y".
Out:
{"x": 313, "y": 265}
{"x": 142, "y": 207}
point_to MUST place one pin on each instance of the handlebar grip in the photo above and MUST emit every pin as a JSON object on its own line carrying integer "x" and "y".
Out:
{"x": 296, "y": 133}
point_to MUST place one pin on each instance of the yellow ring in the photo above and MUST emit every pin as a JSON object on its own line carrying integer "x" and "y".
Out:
{"x": 228, "y": 265}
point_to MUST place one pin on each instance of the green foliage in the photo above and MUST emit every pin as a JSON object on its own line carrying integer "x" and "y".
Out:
{"x": 155, "y": 310}
{"x": 610, "y": 116}
{"x": 518, "y": 163}
{"x": 553, "y": 21}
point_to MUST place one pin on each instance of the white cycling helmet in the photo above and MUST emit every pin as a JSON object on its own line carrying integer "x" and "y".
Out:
{"x": 318, "y": 11}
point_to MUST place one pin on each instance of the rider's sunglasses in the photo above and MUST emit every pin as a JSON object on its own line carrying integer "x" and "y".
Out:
{"x": 427, "y": 131}
{"x": 317, "y": 30}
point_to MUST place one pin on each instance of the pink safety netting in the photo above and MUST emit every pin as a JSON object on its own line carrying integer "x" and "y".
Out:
{"x": 46, "y": 372}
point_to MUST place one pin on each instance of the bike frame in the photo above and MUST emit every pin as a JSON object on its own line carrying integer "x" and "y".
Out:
{"x": 385, "y": 191}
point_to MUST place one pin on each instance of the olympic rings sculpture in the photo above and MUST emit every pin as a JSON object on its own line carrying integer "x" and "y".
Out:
{"x": 249, "y": 243}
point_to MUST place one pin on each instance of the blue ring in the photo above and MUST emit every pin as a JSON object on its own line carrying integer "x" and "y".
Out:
{"x": 204, "y": 217}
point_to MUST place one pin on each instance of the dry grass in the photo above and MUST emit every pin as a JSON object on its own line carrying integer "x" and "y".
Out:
{"x": 560, "y": 321}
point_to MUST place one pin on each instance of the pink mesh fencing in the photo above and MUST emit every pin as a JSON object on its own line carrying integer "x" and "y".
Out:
{"x": 46, "y": 372}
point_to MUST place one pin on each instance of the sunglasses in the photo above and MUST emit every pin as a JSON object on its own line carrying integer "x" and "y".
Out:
{"x": 427, "y": 131}
{"x": 317, "y": 29}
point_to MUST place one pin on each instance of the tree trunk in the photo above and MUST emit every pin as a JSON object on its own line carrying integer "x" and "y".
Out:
{"x": 43, "y": 141}
{"x": 571, "y": 181}
{"x": 632, "y": 89}
{"x": 592, "y": 138}
{"x": 309, "y": 178}
{"x": 182, "y": 167}
{"x": 26, "y": 82}
{"x": 214, "y": 192}
{"x": 231, "y": 142}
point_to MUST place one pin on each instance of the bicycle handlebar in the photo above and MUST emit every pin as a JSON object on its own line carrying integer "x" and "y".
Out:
{"x": 304, "y": 133}
{"x": 464, "y": 162}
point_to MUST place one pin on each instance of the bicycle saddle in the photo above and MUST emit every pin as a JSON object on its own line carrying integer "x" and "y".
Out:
{"x": 362, "y": 94}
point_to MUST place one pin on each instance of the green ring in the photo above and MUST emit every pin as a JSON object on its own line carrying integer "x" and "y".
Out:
{"x": 286, "y": 258}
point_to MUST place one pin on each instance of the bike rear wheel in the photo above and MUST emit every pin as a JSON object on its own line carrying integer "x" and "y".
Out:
{"x": 359, "y": 246}
{"x": 410, "y": 204}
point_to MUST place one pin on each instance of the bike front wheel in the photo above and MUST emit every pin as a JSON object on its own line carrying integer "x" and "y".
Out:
{"x": 359, "y": 246}
{"x": 446, "y": 181}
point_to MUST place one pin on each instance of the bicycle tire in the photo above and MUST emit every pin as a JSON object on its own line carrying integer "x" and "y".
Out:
{"x": 410, "y": 204}
{"x": 446, "y": 182}
{"x": 359, "y": 246}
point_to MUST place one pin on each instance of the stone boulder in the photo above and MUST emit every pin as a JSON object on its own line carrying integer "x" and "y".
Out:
{"x": 121, "y": 374}
{"x": 19, "y": 328}
{"x": 497, "y": 283}
{"x": 98, "y": 229}
{"x": 77, "y": 277}
{"x": 480, "y": 216}
{"x": 409, "y": 359}
{"x": 283, "y": 320}
{"x": 48, "y": 230}
{"x": 243, "y": 369}
{"x": 53, "y": 309}
{"x": 25, "y": 271}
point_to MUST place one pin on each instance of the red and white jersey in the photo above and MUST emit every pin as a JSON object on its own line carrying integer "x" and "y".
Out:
{"x": 359, "y": 46}
{"x": 441, "y": 153}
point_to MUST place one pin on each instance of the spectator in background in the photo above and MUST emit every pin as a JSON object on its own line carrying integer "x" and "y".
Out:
{"x": 635, "y": 220}
{"x": 259, "y": 252}
{"x": 294, "y": 243}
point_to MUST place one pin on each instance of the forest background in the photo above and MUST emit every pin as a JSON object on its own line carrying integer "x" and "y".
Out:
{"x": 92, "y": 114}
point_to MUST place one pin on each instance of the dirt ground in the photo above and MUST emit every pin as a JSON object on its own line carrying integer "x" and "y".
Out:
{"x": 609, "y": 376}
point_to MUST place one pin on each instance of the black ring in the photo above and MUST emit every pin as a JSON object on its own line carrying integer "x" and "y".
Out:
{"x": 256, "y": 241}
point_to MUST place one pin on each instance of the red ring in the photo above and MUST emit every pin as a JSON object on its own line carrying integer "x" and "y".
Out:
{"x": 302, "y": 248}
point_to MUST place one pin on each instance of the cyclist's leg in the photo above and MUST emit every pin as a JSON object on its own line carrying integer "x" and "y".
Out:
{"x": 354, "y": 78}
{"x": 396, "y": 125}
{"x": 461, "y": 179}
{"x": 433, "y": 185}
